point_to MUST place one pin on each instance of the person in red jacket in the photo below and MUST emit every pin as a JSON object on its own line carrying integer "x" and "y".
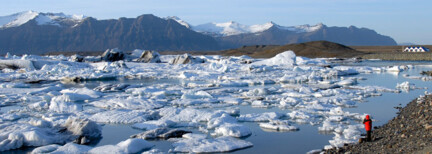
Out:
{"x": 368, "y": 126}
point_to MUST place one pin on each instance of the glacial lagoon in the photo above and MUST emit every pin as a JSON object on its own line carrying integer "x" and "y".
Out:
{"x": 314, "y": 98}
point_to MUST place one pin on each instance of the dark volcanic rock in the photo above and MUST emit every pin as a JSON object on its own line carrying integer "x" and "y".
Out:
{"x": 111, "y": 55}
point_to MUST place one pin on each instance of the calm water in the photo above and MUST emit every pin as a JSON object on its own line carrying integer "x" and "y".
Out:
{"x": 307, "y": 138}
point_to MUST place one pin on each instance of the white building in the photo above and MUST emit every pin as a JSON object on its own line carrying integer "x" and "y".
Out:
{"x": 416, "y": 49}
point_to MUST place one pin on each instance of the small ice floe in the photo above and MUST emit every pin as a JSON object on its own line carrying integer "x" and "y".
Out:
{"x": 278, "y": 125}
{"x": 127, "y": 103}
{"x": 218, "y": 121}
{"x": 149, "y": 125}
{"x": 80, "y": 94}
{"x": 346, "y": 135}
{"x": 39, "y": 133}
{"x": 395, "y": 68}
{"x": 17, "y": 64}
{"x": 123, "y": 116}
{"x": 327, "y": 126}
{"x": 62, "y": 104}
{"x": 220, "y": 144}
{"x": 127, "y": 146}
{"x": 67, "y": 148}
{"x": 111, "y": 87}
{"x": 46, "y": 149}
{"x": 260, "y": 117}
{"x": 232, "y": 129}
{"x": 407, "y": 86}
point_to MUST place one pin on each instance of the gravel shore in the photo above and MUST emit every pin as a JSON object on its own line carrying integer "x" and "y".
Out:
{"x": 409, "y": 132}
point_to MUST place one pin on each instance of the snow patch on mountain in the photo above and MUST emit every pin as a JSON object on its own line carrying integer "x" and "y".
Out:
{"x": 57, "y": 19}
{"x": 180, "y": 21}
{"x": 17, "y": 19}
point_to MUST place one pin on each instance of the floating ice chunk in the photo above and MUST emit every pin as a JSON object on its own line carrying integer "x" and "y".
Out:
{"x": 259, "y": 117}
{"x": 17, "y": 64}
{"x": 395, "y": 68}
{"x": 62, "y": 104}
{"x": 220, "y": 144}
{"x": 187, "y": 75}
{"x": 278, "y": 125}
{"x": 189, "y": 114}
{"x": 261, "y": 104}
{"x": 346, "y": 135}
{"x": 73, "y": 95}
{"x": 85, "y": 129}
{"x": 46, "y": 149}
{"x": 194, "y": 136}
{"x": 71, "y": 148}
{"x": 127, "y": 103}
{"x": 149, "y": 125}
{"x": 128, "y": 146}
{"x": 287, "y": 58}
{"x": 13, "y": 136}
{"x": 225, "y": 118}
{"x": 346, "y": 82}
{"x": 257, "y": 92}
{"x": 111, "y": 87}
{"x": 123, "y": 116}
{"x": 196, "y": 95}
{"x": 405, "y": 86}
{"x": 327, "y": 126}
{"x": 298, "y": 115}
{"x": 231, "y": 129}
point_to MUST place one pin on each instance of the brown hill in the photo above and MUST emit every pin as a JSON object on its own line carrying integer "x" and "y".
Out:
{"x": 315, "y": 49}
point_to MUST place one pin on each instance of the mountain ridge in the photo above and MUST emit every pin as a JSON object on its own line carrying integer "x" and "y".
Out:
{"x": 34, "y": 32}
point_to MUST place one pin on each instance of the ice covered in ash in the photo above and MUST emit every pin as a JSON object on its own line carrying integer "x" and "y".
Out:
{"x": 208, "y": 97}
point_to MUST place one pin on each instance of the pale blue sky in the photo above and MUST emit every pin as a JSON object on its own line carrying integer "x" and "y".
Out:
{"x": 403, "y": 20}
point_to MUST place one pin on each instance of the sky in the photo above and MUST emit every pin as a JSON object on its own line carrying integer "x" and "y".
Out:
{"x": 406, "y": 21}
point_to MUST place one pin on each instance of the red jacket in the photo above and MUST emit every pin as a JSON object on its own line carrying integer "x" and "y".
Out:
{"x": 368, "y": 123}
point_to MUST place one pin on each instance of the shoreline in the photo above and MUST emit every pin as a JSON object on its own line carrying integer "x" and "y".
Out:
{"x": 409, "y": 132}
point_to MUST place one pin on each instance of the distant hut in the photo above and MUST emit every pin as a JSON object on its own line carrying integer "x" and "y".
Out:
{"x": 416, "y": 49}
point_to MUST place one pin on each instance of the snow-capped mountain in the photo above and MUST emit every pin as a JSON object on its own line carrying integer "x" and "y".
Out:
{"x": 233, "y": 28}
{"x": 58, "y": 19}
{"x": 41, "y": 32}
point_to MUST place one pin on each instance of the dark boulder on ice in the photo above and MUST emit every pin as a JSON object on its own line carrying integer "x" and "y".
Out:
{"x": 186, "y": 59}
{"x": 111, "y": 55}
{"x": 175, "y": 133}
{"x": 85, "y": 130}
{"x": 162, "y": 133}
{"x": 150, "y": 57}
